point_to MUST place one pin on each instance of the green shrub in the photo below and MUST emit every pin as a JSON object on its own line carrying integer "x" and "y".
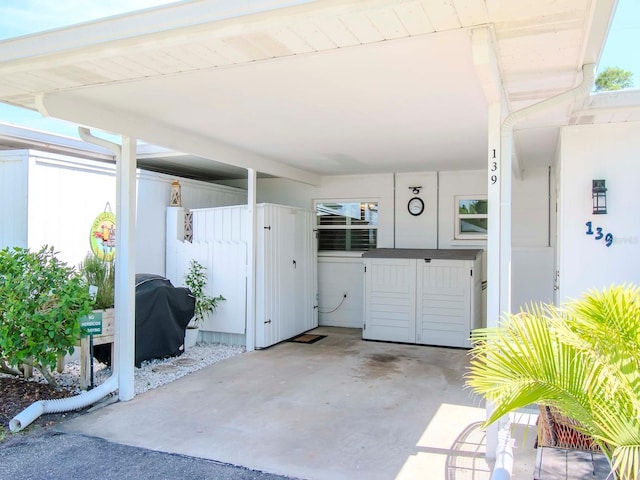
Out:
{"x": 196, "y": 280}
{"x": 41, "y": 300}
{"x": 100, "y": 273}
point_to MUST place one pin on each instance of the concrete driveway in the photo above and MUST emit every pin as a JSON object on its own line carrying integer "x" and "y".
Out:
{"x": 340, "y": 408}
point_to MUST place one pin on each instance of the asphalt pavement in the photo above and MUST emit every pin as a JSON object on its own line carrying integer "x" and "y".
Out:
{"x": 51, "y": 454}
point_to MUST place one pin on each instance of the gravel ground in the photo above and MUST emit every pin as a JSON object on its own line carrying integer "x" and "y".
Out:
{"x": 17, "y": 394}
{"x": 152, "y": 373}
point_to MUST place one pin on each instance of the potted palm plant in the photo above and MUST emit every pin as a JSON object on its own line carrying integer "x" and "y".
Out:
{"x": 196, "y": 281}
{"x": 581, "y": 360}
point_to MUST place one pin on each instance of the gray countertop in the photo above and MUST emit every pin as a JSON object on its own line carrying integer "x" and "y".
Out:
{"x": 432, "y": 254}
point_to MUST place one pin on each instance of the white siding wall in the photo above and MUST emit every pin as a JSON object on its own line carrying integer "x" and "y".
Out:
{"x": 14, "y": 168}
{"x": 590, "y": 152}
{"x": 65, "y": 194}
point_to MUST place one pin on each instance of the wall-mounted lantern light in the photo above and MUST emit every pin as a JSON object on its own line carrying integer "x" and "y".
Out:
{"x": 599, "y": 195}
{"x": 175, "y": 200}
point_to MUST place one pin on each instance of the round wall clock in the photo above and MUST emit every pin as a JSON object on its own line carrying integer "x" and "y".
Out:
{"x": 415, "y": 206}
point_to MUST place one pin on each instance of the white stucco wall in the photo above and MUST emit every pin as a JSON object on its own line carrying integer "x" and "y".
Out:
{"x": 416, "y": 231}
{"x": 532, "y": 261}
{"x": 65, "y": 194}
{"x": 590, "y": 152}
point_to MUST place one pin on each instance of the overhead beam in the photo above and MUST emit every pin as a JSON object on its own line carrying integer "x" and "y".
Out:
{"x": 91, "y": 114}
{"x": 485, "y": 60}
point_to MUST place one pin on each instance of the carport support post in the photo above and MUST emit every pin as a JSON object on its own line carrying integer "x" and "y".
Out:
{"x": 498, "y": 236}
{"x": 125, "y": 268}
{"x": 251, "y": 260}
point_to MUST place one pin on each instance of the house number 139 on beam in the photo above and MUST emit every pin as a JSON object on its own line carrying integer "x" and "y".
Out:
{"x": 494, "y": 168}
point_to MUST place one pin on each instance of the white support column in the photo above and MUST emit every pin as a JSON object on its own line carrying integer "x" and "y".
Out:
{"x": 499, "y": 164}
{"x": 125, "y": 268}
{"x": 506, "y": 172}
{"x": 251, "y": 260}
{"x": 494, "y": 237}
{"x": 499, "y": 199}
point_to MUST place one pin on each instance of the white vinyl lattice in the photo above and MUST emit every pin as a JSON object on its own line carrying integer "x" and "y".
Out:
{"x": 188, "y": 227}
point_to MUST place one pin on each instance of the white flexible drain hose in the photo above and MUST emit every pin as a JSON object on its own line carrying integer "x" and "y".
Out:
{"x": 33, "y": 411}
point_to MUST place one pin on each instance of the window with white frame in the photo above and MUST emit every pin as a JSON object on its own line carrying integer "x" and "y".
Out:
{"x": 347, "y": 225}
{"x": 471, "y": 217}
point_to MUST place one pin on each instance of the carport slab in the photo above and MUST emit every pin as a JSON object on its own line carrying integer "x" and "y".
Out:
{"x": 340, "y": 408}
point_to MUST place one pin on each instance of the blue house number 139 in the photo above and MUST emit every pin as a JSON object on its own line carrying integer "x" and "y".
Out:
{"x": 608, "y": 238}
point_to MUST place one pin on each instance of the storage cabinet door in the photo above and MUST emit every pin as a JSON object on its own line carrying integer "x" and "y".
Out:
{"x": 390, "y": 300}
{"x": 443, "y": 303}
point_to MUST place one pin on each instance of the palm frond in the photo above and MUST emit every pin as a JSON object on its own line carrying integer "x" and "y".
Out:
{"x": 583, "y": 359}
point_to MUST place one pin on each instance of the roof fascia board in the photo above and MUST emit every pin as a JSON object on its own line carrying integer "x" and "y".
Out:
{"x": 122, "y": 123}
{"x": 48, "y": 142}
{"x": 151, "y": 21}
{"x": 615, "y": 99}
{"x": 166, "y": 26}
{"x": 597, "y": 28}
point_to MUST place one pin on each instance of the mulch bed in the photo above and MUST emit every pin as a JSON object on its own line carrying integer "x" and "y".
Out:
{"x": 16, "y": 394}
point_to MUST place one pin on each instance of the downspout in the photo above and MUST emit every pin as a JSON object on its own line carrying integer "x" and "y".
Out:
{"x": 33, "y": 411}
{"x": 86, "y": 135}
{"x": 504, "y": 451}
{"x": 506, "y": 146}
{"x": 582, "y": 90}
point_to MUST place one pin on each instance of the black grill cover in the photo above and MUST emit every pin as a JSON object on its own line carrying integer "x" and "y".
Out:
{"x": 162, "y": 314}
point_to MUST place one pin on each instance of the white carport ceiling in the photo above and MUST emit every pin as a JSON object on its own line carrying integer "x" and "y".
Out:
{"x": 322, "y": 87}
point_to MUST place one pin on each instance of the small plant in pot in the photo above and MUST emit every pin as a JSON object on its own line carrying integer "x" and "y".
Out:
{"x": 196, "y": 281}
